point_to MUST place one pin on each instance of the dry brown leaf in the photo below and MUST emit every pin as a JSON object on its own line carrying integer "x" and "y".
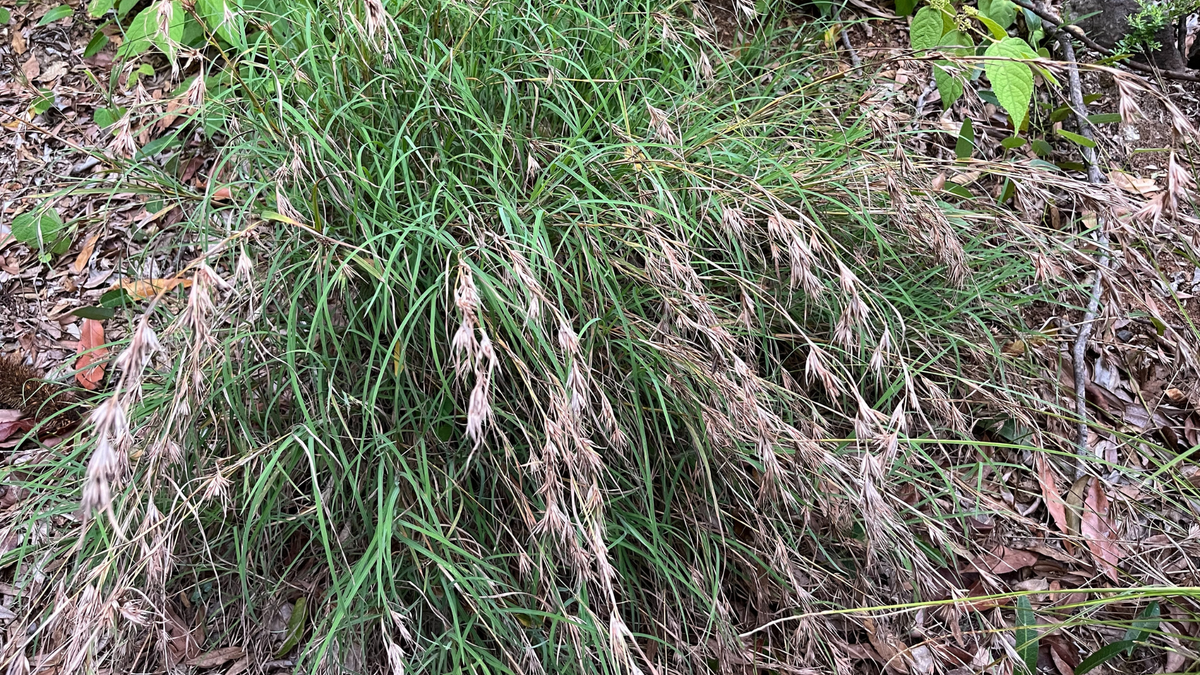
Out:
{"x": 144, "y": 289}
{"x": 91, "y": 337}
{"x": 85, "y": 254}
{"x": 18, "y": 42}
{"x": 31, "y": 68}
{"x": 216, "y": 657}
{"x": 1002, "y": 560}
{"x": 239, "y": 667}
{"x": 53, "y": 72}
{"x": 11, "y": 423}
{"x": 1133, "y": 184}
{"x": 1097, "y": 529}
{"x": 222, "y": 194}
{"x": 1048, "y": 480}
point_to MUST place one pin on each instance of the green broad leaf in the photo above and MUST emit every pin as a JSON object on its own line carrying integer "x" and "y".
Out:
{"x": 1060, "y": 113}
{"x": 295, "y": 627}
{"x": 1104, "y": 118}
{"x": 5, "y": 16}
{"x": 125, "y": 7}
{"x": 965, "y": 144}
{"x": 97, "y": 8}
{"x": 94, "y": 313}
{"x": 1072, "y": 166}
{"x": 1146, "y": 623}
{"x": 1013, "y": 142}
{"x": 1027, "y": 635}
{"x": 224, "y": 17}
{"x": 157, "y": 145}
{"x": 106, "y": 117}
{"x": 143, "y": 32}
{"x": 1089, "y": 99}
{"x": 42, "y": 102}
{"x": 994, "y": 28}
{"x": 958, "y": 190}
{"x": 1103, "y": 654}
{"x": 948, "y": 85}
{"x": 905, "y": 7}
{"x": 926, "y": 30}
{"x": 1003, "y": 12}
{"x": 1043, "y": 164}
{"x": 1012, "y": 81}
{"x": 988, "y": 96}
{"x": 55, "y": 14}
{"x": 1076, "y": 138}
{"x": 117, "y": 297}
{"x": 37, "y": 227}
{"x": 99, "y": 41}
{"x": 1041, "y": 148}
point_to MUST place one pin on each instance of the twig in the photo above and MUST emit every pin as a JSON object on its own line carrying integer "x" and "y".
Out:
{"x": 857, "y": 62}
{"x": 1077, "y": 32}
{"x": 1095, "y": 177}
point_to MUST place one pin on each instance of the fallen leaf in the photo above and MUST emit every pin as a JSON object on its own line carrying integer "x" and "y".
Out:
{"x": 85, "y": 254}
{"x": 18, "y": 42}
{"x": 31, "y": 68}
{"x": 240, "y": 666}
{"x": 53, "y": 72}
{"x": 11, "y": 423}
{"x": 222, "y": 194}
{"x": 1133, "y": 184}
{"x": 216, "y": 657}
{"x": 1097, "y": 529}
{"x": 1048, "y": 480}
{"x": 91, "y": 351}
{"x": 1002, "y": 560}
{"x": 144, "y": 289}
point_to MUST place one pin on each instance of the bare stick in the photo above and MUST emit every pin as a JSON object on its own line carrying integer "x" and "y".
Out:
{"x": 854, "y": 60}
{"x": 1095, "y": 177}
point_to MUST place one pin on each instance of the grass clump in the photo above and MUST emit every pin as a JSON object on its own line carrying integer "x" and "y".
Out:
{"x": 546, "y": 338}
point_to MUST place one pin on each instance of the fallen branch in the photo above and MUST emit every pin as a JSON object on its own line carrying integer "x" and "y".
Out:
{"x": 1077, "y": 32}
{"x": 1095, "y": 177}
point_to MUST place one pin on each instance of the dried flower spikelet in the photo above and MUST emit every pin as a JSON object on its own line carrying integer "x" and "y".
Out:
{"x": 108, "y": 461}
{"x": 165, "y": 17}
{"x": 377, "y": 20}
{"x": 867, "y": 420}
{"x": 618, "y": 636}
{"x": 706, "y": 68}
{"x": 882, "y": 350}
{"x": 1127, "y": 105}
{"x": 815, "y": 369}
{"x": 194, "y": 96}
{"x": 660, "y": 125}
{"x": 122, "y": 143}
{"x": 395, "y": 655}
{"x": 532, "y": 167}
{"x": 746, "y": 8}
{"x": 1179, "y": 179}
{"x": 734, "y": 220}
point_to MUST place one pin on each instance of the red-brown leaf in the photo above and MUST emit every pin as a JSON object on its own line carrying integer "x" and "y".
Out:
{"x": 91, "y": 337}
{"x": 1097, "y": 529}
{"x": 1002, "y": 560}
{"x": 11, "y": 423}
{"x": 1048, "y": 480}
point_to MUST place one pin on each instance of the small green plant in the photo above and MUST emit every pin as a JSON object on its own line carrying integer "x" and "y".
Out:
{"x": 41, "y": 228}
{"x": 167, "y": 25}
{"x": 954, "y": 31}
{"x": 1149, "y": 20}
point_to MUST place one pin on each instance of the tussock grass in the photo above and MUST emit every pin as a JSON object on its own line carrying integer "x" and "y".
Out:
{"x": 547, "y": 338}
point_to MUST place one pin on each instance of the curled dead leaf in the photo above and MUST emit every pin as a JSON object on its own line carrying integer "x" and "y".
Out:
{"x": 144, "y": 289}
{"x": 222, "y": 194}
{"x": 216, "y": 657}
